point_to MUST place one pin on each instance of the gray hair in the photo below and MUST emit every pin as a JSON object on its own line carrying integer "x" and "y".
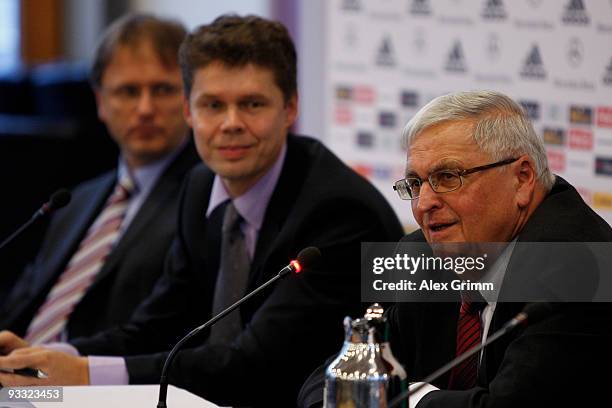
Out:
{"x": 501, "y": 126}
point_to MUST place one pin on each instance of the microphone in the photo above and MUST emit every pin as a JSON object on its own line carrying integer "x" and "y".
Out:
{"x": 58, "y": 200}
{"x": 307, "y": 257}
{"x": 531, "y": 313}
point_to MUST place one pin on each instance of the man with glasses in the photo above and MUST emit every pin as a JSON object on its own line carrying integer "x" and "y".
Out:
{"x": 477, "y": 172}
{"x": 103, "y": 253}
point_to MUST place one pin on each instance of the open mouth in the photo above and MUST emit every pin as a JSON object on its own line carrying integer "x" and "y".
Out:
{"x": 440, "y": 226}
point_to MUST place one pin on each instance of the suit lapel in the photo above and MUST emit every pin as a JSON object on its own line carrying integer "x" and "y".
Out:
{"x": 270, "y": 240}
{"x": 78, "y": 222}
{"x": 164, "y": 190}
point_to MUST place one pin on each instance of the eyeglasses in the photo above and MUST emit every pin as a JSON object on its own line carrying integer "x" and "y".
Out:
{"x": 130, "y": 94}
{"x": 441, "y": 181}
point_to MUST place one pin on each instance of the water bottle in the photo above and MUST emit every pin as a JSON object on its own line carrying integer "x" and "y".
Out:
{"x": 365, "y": 374}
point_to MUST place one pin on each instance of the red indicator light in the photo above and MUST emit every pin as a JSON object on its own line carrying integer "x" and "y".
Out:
{"x": 295, "y": 265}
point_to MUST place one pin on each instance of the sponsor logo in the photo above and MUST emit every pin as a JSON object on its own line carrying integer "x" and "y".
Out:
{"x": 581, "y": 139}
{"x": 493, "y": 46}
{"x": 607, "y": 78}
{"x": 364, "y": 94}
{"x": 556, "y": 160}
{"x": 604, "y": 116}
{"x": 602, "y": 200}
{"x": 381, "y": 172}
{"x": 385, "y": 56}
{"x": 363, "y": 170}
{"x": 581, "y": 115}
{"x": 575, "y": 52}
{"x": 532, "y": 109}
{"x": 603, "y": 166}
{"x": 409, "y": 99}
{"x": 554, "y": 111}
{"x": 456, "y": 61}
{"x": 351, "y": 5}
{"x": 494, "y": 10}
{"x": 533, "y": 67}
{"x": 420, "y": 8}
{"x": 386, "y": 119}
{"x": 419, "y": 41}
{"x": 365, "y": 139}
{"x": 575, "y": 13}
{"x": 343, "y": 115}
{"x": 344, "y": 93}
{"x": 553, "y": 136}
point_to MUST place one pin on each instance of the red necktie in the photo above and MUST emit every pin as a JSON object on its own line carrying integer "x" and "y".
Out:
{"x": 469, "y": 335}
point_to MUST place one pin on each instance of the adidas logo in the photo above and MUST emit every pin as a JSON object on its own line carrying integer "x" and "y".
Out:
{"x": 494, "y": 10}
{"x": 575, "y": 13}
{"x": 607, "y": 78}
{"x": 420, "y": 7}
{"x": 385, "y": 55}
{"x": 351, "y": 5}
{"x": 456, "y": 60}
{"x": 533, "y": 67}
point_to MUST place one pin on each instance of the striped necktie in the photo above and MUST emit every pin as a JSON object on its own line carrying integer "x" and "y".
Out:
{"x": 469, "y": 335}
{"x": 52, "y": 317}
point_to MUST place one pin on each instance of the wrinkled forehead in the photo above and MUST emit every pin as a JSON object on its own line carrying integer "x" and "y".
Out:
{"x": 447, "y": 145}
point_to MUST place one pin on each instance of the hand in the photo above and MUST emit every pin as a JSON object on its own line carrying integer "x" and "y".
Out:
{"x": 62, "y": 368}
{"x": 9, "y": 341}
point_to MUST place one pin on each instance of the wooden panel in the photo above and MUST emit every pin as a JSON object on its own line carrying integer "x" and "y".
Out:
{"x": 41, "y": 30}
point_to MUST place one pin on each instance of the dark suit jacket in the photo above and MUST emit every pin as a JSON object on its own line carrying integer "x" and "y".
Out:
{"x": 318, "y": 201}
{"x": 547, "y": 364}
{"x": 129, "y": 273}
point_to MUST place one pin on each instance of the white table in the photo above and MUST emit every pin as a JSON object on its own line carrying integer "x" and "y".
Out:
{"x": 117, "y": 396}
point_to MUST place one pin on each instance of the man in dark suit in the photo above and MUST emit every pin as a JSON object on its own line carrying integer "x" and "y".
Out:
{"x": 275, "y": 194}
{"x": 138, "y": 87}
{"x": 514, "y": 199}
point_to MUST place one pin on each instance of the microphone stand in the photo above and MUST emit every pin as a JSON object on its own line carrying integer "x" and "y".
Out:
{"x": 521, "y": 318}
{"x": 163, "y": 382}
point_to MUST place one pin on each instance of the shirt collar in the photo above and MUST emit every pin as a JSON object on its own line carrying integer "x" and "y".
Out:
{"x": 495, "y": 274}
{"x": 253, "y": 203}
{"x": 145, "y": 177}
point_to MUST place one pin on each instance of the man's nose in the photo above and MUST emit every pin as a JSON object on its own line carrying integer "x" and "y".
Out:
{"x": 145, "y": 102}
{"x": 232, "y": 121}
{"x": 428, "y": 198}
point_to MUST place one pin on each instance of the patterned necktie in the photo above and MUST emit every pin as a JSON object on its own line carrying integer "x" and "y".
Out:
{"x": 50, "y": 320}
{"x": 232, "y": 278}
{"x": 469, "y": 335}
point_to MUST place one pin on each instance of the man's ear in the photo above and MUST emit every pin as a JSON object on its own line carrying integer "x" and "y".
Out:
{"x": 187, "y": 112}
{"x": 292, "y": 110}
{"x": 526, "y": 180}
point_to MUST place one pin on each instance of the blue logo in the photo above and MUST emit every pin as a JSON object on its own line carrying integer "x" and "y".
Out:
{"x": 533, "y": 68}
{"x": 494, "y": 10}
{"x": 575, "y": 13}
{"x": 456, "y": 61}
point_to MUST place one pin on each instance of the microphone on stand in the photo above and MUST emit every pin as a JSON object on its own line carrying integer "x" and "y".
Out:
{"x": 306, "y": 258}
{"x": 531, "y": 313}
{"x": 58, "y": 200}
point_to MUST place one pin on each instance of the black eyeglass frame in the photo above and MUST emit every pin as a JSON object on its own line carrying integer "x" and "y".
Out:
{"x": 460, "y": 173}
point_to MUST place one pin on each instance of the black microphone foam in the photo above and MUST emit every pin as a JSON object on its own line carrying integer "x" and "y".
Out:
{"x": 539, "y": 311}
{"x": 59, "y": 199}
{"x": 309, "y": 257}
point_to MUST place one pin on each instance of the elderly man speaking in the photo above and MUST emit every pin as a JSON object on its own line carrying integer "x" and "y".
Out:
{"x": 477, "y": 173}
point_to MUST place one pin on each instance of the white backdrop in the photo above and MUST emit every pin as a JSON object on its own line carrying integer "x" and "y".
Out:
{"x": 384, "y": 59}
